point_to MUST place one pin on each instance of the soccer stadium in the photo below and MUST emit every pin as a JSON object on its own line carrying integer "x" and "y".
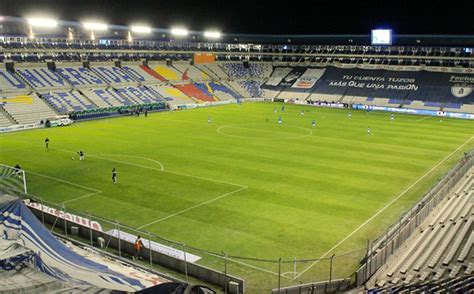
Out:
{"x": 167, "y": 160}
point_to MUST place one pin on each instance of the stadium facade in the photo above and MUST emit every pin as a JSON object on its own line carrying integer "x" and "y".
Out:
{"x": 69, "y": 71}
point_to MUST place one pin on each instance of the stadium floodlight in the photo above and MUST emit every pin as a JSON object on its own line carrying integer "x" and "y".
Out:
{"x": 141, "y": 29}
{"x": 179, "y": 32}
{"x": 42, "y": 22}
{"x": 212, "y": 34}
{"x": 95, "y": 26}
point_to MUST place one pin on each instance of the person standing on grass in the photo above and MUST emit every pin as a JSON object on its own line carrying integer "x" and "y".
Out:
{"x": 114, "y": 176}
{"x": 46, "y": 142}
{"x": 81, "y": 155}
{"x": 313, "y": 123}
{"x": 209, "y": 119}
{"x": 369, "y": 131}
{"x": 18, "y": 170}
{"x": 137, "y": 246}
{"x": 146, "y": 113}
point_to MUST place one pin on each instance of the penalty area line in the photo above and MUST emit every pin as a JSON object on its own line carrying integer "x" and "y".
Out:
{"x": 385, "y": 207}
{"x": 192, "y": 207}
{"x": 151, "y": 168}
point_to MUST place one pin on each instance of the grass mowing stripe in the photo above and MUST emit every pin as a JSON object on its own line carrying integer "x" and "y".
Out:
{"x": 385, "y": 207}
{"x": 192, "y": 207}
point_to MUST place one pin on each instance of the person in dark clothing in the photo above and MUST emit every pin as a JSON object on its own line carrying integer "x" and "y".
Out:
{"x": 114, "y": 176}
{"x": 18, "y": 170}
{"x": 46, "y": 142}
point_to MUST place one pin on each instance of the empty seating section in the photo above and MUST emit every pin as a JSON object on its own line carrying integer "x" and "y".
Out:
{"x": 167, "y": 72}
{"x": 214, "y": 70}
{"x": 172, "y": 95}
{"x": 325, "y": 97}
{"x": 140, "y": 94}
{"x": 191, "y": 72}
{"x": 139, "y": 74}
{"x": 113, "y": 75}
{"x": 80, "y": 76}
{"x": 293, "y": 95}
{"x": 194, "y": 92}
{"x": 4, "y": 121}
{"x": 254, "y": 70}
{"x": 152, "y": 73}
{"x": 68, "y": 101}
{"x": 41, "y": 78}
{"x": 9, "y": 82}
{"x": 253, "y": 88}
{"x": 107, "y": 97}
{"x": 33, "y": 110}
{"x": 441, "y": 247}
{"x": 218, "y": 90}
{"x": 422, "y": 105}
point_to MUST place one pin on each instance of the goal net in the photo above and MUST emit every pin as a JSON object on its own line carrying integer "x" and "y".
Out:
{"x": 12, "y": 179}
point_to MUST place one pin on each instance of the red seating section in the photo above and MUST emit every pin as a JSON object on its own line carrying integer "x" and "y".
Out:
{"x": 194, "y": 92}
{"x": 153, "y": 73}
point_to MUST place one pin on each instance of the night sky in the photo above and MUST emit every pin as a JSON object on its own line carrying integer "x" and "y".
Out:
{"x": 264, "y": 17}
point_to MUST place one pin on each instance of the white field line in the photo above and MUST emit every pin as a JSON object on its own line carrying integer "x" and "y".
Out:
{"x": 152, "y": 168}
{"x": 98, "y": 156}
{"x": 219, "y": 131}
{"x": 422, "y": 119}
{"x": 192, "y": 207}
{"x": 95, "y": 191}
{"x": 81, "y": 197}
{"x": 13, "y": 149}
{"x": 64, "y": 181}
{"x": 384, "y": 208}
{"x": 242, "y": 187}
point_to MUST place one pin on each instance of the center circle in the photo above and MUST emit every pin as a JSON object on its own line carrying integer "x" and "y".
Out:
{"x": 264, "y": 131}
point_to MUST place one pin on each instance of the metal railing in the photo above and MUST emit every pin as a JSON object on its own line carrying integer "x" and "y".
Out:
{"x": 379, "y": 250}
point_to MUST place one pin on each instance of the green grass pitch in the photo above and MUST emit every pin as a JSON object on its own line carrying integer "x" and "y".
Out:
{"x": 244, "y": 184}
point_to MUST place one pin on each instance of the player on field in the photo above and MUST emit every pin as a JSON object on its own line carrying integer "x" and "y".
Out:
{"x": 46, "y": 142}
{"x": 392, "y": 117}
{"x": 279, "y": 120}
{"x": 209, "y": 119}
{"x": 350, "y": 115}
{"x": 114, "y": 176}
{"x": 302, "y": 112}
{"x": 81, "y": 155}
{"x": 274, "y": 110}
{"x": 18, "y": 170}
{"x": 313, "y": 123}
{"x": 369, "y": 131}
{"x": 282, "y": 108}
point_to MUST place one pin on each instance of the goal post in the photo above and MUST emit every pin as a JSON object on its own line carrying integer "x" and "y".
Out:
{"x": 12, "y": 179}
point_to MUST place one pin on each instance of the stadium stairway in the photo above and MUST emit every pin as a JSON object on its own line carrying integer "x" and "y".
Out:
{"x": 193, "y": 73}
{"x": 6, "y": 119}
{"x": 443, "y": 247}
{"x": 25, "y": 109}
{"x": 153, "y": 73}
{"x": 68, "y": 101}
{"x": 216, "y": 71}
